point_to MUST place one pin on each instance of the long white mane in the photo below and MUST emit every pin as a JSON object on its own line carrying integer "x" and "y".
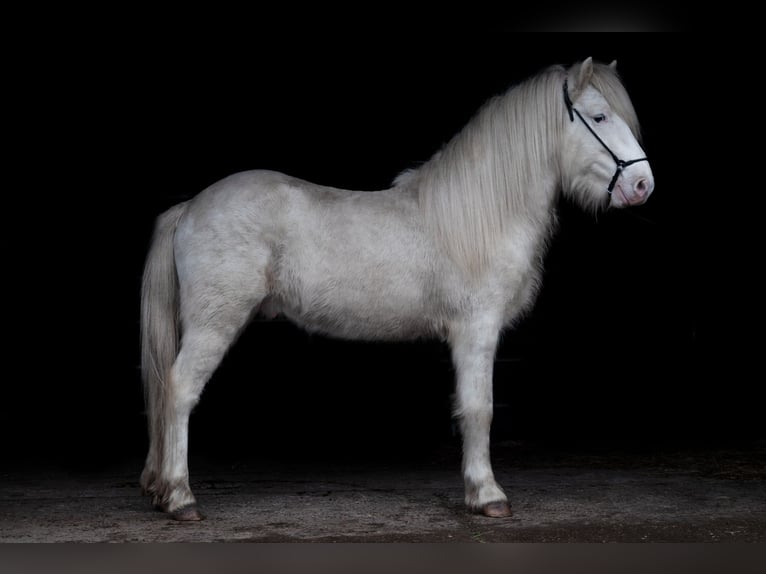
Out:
{"x": 503, "y": 166}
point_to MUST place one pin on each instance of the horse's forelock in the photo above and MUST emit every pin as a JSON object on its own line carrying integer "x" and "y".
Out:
{"x": 607, "y": 81}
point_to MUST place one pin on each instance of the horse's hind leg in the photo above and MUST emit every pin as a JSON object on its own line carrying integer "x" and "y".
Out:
{"x": 206, "y": 338}
{"x": 473, "y": 348}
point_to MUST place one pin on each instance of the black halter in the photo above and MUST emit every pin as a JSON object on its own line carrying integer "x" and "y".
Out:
{"x": 621, "y": 163}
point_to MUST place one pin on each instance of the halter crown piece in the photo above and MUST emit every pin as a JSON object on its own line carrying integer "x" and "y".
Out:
{"x": 621, "y": 163}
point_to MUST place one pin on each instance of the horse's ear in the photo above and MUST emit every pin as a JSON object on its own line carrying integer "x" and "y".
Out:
{"x": 613, "y": 65}
{"x": 579, "y": 77}
{"x": 586, "y": 71}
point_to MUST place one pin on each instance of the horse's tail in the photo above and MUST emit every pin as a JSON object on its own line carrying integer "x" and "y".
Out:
{"x": 159, "y": 319}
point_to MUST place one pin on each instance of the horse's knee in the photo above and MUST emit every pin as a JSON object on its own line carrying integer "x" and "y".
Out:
{"x": 474, "y": 414}
{"x": 185, "y": 399}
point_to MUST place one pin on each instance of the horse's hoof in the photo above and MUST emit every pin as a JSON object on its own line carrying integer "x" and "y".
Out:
{"x": 499, "y": 509}
{"x": 187, "y": 514}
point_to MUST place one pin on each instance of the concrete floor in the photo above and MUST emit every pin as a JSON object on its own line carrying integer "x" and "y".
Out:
{"x": 686, "y": 494}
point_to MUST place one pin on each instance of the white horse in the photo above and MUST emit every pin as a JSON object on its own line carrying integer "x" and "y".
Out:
{"x": 453, "y": 250}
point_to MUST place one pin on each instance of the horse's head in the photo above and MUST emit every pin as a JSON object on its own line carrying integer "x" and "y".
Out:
{"x": 601, "y": 157}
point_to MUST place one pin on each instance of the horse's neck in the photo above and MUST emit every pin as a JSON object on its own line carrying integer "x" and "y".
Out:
{"x": 541, "y": 201}
{"x": 534, "y": 225}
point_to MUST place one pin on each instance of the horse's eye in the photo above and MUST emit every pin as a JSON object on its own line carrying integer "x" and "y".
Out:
{"x": 598, "y": 118}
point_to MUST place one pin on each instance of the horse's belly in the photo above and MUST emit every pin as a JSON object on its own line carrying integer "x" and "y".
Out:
{"x": 372, "y": 311}
{"x": 349, "y": 325}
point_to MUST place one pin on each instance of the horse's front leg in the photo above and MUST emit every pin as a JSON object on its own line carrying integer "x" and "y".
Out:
{"x": 473, "y": 351}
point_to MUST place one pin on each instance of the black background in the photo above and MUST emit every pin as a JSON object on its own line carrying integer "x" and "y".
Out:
{"x": 637, "y": 334}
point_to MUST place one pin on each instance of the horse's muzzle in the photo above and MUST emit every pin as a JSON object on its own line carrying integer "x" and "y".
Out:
{"x": 632, "y": 192}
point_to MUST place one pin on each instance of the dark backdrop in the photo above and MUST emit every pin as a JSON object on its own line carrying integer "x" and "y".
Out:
{"x": 634, "y": 336}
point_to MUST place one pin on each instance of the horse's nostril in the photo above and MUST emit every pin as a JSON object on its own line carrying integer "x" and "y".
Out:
{"x": 641, "y": 186}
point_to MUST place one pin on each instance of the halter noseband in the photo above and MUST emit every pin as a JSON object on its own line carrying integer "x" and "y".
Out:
{"x": 621, "y": 163}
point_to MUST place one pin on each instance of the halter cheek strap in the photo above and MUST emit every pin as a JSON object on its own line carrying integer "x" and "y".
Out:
{"x": 621, "y": 163}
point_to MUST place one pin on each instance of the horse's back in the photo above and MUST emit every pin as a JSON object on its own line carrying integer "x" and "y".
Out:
{"x": 240, "y": 195}
{"x": 278, "y": 208}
